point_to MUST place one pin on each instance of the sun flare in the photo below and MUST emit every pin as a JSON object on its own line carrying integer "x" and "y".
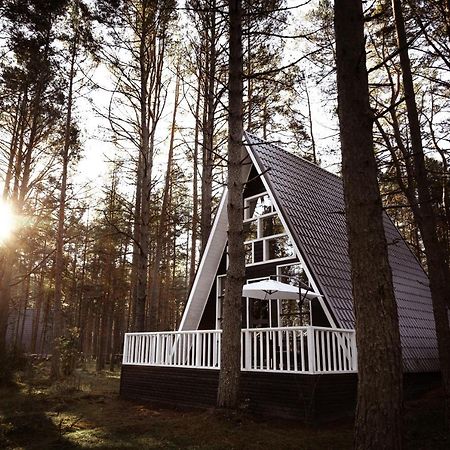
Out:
{"x": 7, "y": 221}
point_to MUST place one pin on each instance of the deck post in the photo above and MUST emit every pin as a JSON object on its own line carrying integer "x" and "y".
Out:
{"x": 248, "y": 353}
{"x": 354, "y": 352}
{"x": 198, "y": 349}
{"x": 158, "y": 350}
{"x": 311, "y": 350}
{"x": 125, "y": 350}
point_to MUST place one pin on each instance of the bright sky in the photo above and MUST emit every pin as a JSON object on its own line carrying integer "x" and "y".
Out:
{"x": 93, "y": 166}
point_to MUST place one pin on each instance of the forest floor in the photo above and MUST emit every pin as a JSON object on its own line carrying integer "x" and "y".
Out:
{"x": 85, "y": 412}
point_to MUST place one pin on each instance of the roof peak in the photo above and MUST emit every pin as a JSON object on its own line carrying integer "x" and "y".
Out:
{"x": 251, "y": 136}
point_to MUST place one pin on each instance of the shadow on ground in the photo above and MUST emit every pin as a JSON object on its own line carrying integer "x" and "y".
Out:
{"x": 85, "y": 412}
{"x": 27, "y": 422}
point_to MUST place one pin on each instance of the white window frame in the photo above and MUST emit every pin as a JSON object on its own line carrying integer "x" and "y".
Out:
{"x": 247, "y": 304}
{"x": 218, "y": 303}
{"x": 247, "y": 206}
{"x": 264, "y": 239}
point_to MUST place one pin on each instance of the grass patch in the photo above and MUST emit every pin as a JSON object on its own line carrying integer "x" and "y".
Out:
{"x": 85, "y": 412}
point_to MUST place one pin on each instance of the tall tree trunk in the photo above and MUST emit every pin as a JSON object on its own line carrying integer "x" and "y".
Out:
{"x": 195, "y": 218}
{"x": 146, "y": 154}
{"x": 230, "y": 368}
{"x": 136, "y": 240}
{"x": 437, "y": 266}
{"x": 154, "y": 319}
{"x": 310, "y": 121}
{"x": 378, "y": 421}
{"x": 208, "y": 133}
{"x": 59, "y": 258}
{"x": 37, "y": 312}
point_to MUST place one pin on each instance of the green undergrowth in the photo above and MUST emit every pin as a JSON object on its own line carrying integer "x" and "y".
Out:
{"x": 85, "y": 412}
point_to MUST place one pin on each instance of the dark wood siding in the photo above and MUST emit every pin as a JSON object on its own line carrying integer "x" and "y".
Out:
{"x": 208, "y": 321}
{"x": 295, "y": 396}
{"x": 254, "y": 186}
{"x": 319, "y": 318}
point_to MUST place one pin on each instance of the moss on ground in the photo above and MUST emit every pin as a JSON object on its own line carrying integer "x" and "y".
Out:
{"x": 84, "y": 412}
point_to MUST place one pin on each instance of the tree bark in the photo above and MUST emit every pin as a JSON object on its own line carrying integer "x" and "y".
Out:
{"x": 208, "y": 131}
{"x": 154, "y": 319}
{"x": 230, "y": 369}
{"x": 59, "y": 258}
{"x": 194, "y": 226}
{"x": 378, "y": 422}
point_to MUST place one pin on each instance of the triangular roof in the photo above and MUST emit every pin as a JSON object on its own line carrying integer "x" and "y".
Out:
{"x": 311, "y": 202}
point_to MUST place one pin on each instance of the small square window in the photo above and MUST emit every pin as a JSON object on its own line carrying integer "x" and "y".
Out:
{"x": 270, "y": 226}
{"x": 279, "y": 247}
{"x": 258, "y": 206}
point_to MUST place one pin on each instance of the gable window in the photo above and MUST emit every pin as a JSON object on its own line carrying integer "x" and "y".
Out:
{"x": 264, "y": 235}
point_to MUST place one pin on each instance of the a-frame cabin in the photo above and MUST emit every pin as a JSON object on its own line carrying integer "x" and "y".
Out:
{"x": 297, "y": 360}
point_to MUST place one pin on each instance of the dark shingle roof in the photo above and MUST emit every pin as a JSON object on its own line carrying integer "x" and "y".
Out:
{"x": 312, "y": 203}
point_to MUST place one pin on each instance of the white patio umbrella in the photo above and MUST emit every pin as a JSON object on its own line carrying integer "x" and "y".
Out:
{"x": 273, "y": 290}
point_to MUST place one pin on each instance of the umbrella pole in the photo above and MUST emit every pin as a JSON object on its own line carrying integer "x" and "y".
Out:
{"x": 301, "y": 285}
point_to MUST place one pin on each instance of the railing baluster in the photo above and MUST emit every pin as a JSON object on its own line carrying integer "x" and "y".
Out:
{"x": 294, "y": 342}
{"x": 267, "y": 334}
{"x": 274, "y": 350}
{"x": 333, "y": 342}
{"x": 280, "y": 345}
{"x": 328, "y": 353}
{"x": 347, "y": 346}
{"x": 340, "y": 351}
{"x": 262, "y": 349}
{"x": 254, "y": 366}
{"x": 288, "y": 351}
{"x": 302, "y": 350}
{"x": 323, "y": 348}
{"x": 311, "y": 350}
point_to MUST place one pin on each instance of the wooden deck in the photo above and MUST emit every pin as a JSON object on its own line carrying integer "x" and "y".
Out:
{"x": 305, "y": 397}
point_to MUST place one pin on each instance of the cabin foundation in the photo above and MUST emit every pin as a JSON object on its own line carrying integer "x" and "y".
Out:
{"x": 309, "y": 398}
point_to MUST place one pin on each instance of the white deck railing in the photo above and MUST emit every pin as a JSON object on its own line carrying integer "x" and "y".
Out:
{"x": 293, "y": 349}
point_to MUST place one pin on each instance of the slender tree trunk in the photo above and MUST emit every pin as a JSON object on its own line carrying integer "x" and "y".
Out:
{"x": 313, "y": 141}
{"x": 378, "y": 423}
{"x": 230, "y": 369}
{"x": 154, "y": 319}
{"x": 136, "y": 240}
{"x": 59, "y": 260}
{"x": 37, "y": 313}
{"x": 146, "y": 153}
{"x": 26, "y": 295}
{"x": 208, "y": 134}
{"x": 195, "y": 218}
{"x": 437, "y": 266}
{"x": 19, "y": 124}
{"x": 6, "y": 258}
